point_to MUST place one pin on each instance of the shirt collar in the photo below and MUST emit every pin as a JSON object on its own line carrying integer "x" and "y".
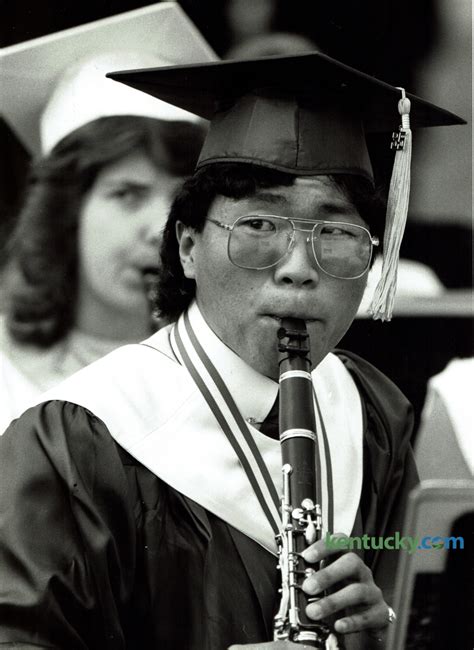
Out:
{"x": 253, "y": 393}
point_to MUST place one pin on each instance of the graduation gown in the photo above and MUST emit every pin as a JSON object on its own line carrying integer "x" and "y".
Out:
{"x": 98, "y": 552}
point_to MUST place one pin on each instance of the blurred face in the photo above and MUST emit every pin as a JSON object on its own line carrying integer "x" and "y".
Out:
{"x": 244, "y": 306}
{"x": 121, "y": 222}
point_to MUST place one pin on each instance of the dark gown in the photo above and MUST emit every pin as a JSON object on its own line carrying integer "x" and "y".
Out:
{"x": 97, "y": 552}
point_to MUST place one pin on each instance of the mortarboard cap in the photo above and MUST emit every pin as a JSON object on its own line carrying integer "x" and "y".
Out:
{"x": 284, "y": 97}
{"x": 56, "y": 83}
{"x": 305, "y": 114}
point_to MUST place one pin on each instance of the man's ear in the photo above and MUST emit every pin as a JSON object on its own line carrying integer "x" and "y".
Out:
{"x": 186, "y": 237}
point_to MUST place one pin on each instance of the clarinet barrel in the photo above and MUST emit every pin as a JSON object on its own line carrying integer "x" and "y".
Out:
{"x": 301, "y": 502}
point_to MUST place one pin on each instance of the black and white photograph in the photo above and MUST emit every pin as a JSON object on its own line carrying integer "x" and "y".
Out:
{"x": 214, "y": 436}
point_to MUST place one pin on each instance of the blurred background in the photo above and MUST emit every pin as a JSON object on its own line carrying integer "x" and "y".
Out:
{"x": 425, "y": 46}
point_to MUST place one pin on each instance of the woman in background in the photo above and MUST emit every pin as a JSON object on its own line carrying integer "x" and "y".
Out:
{"x": 90, "y": 227}
{"x": 89, "y": 230}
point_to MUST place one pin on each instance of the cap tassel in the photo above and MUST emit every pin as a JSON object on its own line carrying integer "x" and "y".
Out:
{"x": 397, "y": 209}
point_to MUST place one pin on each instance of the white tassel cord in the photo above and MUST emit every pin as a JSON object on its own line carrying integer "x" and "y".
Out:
{"x": 397, "y": 210}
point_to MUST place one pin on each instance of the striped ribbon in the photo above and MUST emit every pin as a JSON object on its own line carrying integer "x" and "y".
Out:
{"x": 228, "y": 416}
{"x": 224, "y": 409}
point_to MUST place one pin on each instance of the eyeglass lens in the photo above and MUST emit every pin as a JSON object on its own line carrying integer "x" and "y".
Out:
{"x": 341, "y": 250}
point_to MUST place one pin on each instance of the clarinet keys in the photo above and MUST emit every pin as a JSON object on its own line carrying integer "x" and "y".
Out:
{"x": 308, "y": 518}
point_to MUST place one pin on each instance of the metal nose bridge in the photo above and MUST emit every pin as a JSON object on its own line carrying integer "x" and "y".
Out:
{"x": 308, "y": 240}
{"x": 311, "y": 226}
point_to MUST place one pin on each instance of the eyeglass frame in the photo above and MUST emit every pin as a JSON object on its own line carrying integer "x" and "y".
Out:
{"x": 374, "y": 241}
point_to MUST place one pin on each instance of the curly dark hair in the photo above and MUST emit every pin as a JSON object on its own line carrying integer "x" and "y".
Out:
{"x": 237, "y": 181}
{"x": 43, "y": 254}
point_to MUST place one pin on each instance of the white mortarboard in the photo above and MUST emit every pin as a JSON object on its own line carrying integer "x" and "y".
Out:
{"x": 54, "y": 84}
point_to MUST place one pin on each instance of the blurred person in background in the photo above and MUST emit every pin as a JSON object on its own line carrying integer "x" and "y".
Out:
{"x": 444, "y": 445}
{"x": 89, "y": 230}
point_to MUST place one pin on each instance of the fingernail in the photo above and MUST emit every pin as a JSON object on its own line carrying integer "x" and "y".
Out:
{"x": 314, "y": 611}
{"x": 311, "y": 587}
{"x": 341, "y": 626}
{"x": 309, "y": 555}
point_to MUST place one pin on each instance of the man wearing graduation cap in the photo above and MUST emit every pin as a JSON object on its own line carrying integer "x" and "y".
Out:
{"x": 141, "y": 527}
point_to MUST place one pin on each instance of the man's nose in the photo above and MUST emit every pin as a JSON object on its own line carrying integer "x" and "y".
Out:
{"x": 298, "y": 267}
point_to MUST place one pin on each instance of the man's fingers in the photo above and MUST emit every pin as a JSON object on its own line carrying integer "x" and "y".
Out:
{"x": 373, "y": 618}
{"x": 353, "y": 595}
{"x": 347, "y": 567}
{"x": 320, "y": 550}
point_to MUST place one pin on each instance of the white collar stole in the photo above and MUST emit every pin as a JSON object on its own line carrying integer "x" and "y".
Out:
{"x": 153, "y": 409}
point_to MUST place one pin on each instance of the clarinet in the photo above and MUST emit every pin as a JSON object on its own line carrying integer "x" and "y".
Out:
{"x": 301, "y": 503}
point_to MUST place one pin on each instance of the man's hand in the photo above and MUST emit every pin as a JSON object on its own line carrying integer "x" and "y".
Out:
{"x": 353, "y": 586}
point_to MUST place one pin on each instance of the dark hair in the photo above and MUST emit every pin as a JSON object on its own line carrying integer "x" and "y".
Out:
{"x": 236, "y": 181}
{"x": 43, "y": 253}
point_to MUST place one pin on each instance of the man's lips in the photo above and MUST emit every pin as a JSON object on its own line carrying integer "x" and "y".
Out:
{"x": 279, "y": 317}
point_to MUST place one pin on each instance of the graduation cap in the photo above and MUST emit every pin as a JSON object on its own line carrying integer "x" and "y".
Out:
{"x": 56, "y": 83}
{"x": 305, "y": 114}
